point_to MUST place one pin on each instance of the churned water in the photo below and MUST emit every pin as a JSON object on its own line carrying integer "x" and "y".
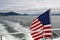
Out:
{"x": 10, "y": 24}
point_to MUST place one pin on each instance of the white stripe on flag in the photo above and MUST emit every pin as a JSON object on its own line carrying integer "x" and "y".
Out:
{"x": 47, "y": 25}
{"x": 47, "y": 33}
{"x": 38, "y": 36}
{"x": 37, "y": 33}
{"x": 35, "y": 24}
{"x": 37, "y": 27}
{"x": 47, "y": 29}
{"x": 35, "y": 20}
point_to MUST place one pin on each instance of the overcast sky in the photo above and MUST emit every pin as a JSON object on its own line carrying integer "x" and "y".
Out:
{"x": 14, "y": 5}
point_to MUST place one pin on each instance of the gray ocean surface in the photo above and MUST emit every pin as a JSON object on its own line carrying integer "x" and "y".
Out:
{"x": 26, "y": 21}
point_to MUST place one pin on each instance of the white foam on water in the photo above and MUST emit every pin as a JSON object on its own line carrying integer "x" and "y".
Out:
{"x": 19, "y": 28}
{"x": 56, "y": 38}
{"x": 6, "y": 37}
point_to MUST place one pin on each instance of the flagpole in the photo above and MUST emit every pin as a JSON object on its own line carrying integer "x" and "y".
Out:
{"x": 50, "y": 19}
{"x": 0, "y": 37}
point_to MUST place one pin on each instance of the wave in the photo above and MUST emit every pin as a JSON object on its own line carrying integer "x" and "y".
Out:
{"x": 8, "y": 26}
{"x": 17, "y": 27}
{"x": 6, "y": 37}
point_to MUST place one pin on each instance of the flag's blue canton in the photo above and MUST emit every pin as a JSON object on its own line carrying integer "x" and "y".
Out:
{"x": 45, "y": 18}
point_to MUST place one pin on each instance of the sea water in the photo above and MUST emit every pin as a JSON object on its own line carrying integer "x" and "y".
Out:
{"x": 9, "y": 24}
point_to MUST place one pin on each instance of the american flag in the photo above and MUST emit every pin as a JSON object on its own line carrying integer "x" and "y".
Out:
{"x": 41, "y": 26}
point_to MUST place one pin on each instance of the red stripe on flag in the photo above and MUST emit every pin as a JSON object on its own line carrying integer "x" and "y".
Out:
{"x": 38, "y": 34}
{"x": 48, "y": 31}
{"x": 48, "y": 36}
{"x": 41, "y": 27}
{"x": 35, "y": 19}
{"x": 35, "y": 25}
{"x": 38, "y": 38}
{"x": 49, "y": 27}
{"x": 34, "y": 33}
{"x": 35, "y": 22}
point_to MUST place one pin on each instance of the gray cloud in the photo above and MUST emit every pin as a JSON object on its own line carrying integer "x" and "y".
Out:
{"x": 14, "y": 5}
